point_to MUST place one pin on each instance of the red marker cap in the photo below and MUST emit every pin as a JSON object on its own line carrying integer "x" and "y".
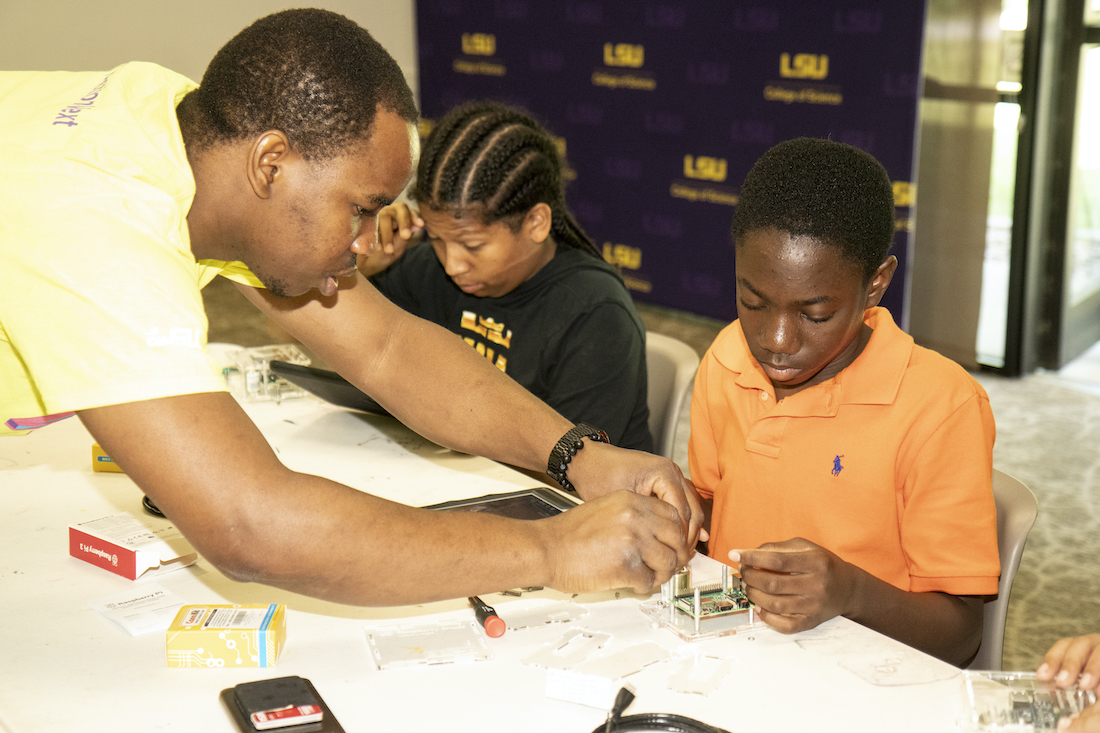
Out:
{"x": 494, "y": 626}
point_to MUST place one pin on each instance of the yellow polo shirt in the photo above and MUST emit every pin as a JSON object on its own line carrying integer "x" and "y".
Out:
{"x": 100, "y": 298}
{"x": 888, "y": 465}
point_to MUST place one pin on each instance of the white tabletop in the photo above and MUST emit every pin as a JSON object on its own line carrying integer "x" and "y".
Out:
{"x": 63, "y": 667}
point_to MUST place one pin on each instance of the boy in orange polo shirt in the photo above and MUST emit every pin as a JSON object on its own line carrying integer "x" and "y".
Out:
{"x": 857, "y": 464}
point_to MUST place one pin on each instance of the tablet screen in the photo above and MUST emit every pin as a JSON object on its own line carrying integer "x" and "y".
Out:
{"x": 536, "y": 503}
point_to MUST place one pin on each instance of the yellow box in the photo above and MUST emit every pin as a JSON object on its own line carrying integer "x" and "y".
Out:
{"x": 103, "y": 462}
{"x": 226, "y": 635}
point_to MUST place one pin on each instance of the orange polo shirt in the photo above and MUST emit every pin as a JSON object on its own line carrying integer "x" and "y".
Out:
{"x": 888, "y": 465}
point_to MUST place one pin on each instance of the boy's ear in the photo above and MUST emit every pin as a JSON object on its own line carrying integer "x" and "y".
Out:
{"x": 537, "y": 223}
{"x": 881, "y": 280}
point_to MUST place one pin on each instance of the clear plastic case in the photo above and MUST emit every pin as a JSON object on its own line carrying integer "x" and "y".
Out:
{"x": 1017, "y": 702}
{"x": 434, "y": 643}
{"x": 249, "y": 378}
{"x": 702, "y": 601}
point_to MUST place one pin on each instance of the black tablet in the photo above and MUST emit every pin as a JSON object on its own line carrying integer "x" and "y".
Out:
{"x": 537, "y": 503}
{"x": 327, "y": 385}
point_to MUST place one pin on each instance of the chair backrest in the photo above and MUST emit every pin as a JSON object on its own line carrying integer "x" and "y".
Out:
{"x": 671, "y": 365}
{"x": 1016, "y": 511}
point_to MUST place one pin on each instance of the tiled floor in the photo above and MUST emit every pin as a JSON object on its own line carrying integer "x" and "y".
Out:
{"x": 1048, "y": 427}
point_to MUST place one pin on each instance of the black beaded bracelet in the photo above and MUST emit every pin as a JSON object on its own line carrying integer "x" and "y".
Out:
{"x": 567, "y": 447}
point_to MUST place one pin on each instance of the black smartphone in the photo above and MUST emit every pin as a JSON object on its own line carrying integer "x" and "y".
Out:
{"x": 266, "y": 695}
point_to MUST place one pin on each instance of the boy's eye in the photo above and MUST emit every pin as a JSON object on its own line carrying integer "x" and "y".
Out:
{"x": 811, "y": 319}
{"x": 751, "y": 306}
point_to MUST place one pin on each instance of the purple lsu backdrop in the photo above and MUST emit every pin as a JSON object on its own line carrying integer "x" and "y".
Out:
{"x": 662, "y": 108}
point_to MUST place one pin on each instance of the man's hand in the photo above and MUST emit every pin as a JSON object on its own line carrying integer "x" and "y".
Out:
{"x": 1071, "y": 658}
{"x": 618, "y": 540}
{"x": 796, "y": 585}
{"x": 599, "y": 469}
{"x": 397, "y": 224}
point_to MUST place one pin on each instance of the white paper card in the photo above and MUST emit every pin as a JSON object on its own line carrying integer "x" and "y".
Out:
{"x": 147, "y": 607}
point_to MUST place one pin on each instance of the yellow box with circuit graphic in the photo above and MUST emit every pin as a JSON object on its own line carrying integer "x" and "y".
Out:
{"x": 101, "y": 462}
{"x": 226, "y": 635}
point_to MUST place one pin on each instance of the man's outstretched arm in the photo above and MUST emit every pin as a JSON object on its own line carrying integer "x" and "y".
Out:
{"x": 204, "y": 463}
{"x": 443, "y": 389}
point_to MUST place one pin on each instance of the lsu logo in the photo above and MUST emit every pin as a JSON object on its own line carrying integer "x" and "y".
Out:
{"x": 493, "y": 332}
{"x": 479, "y": 44}
{"x": 704, "y": 168}
{"x": 628, "y": 258}
{"x": 904, "y": 193}
{"x": 487, "y": 328}
{"x": 803, "y": 66}
{"x": 623, "y": 54}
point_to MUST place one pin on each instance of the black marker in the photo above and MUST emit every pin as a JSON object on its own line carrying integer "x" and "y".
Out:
{"x": 487, "y": 617}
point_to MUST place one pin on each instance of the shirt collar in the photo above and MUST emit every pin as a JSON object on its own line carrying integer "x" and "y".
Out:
{"x": 872, "y": 379}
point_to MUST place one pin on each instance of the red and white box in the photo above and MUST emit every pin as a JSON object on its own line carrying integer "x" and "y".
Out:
{"x": 127, "y": 547}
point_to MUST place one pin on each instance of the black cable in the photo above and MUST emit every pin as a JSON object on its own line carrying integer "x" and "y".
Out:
{"x": 649, "y": 721}
{"x": 150, "y": 507}
{"x": 658, "y": 722}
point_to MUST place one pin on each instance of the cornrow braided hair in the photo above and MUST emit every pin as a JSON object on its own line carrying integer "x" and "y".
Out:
{"x": 495, "y": 162}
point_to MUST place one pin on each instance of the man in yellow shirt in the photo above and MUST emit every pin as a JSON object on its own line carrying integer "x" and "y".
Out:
{"x": 125, "y": 192}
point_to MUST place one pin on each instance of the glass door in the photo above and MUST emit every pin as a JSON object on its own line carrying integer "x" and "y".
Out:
{"x": 1054, "y": 301}
{"x": 993, "y": 347}
{"x": 1081, "y": 325}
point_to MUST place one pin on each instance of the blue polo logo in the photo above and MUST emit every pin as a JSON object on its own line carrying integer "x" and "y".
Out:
{"x": 837, "y": 468}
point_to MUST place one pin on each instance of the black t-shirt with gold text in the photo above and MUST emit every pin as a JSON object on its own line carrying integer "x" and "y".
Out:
{"x": 570, "y": 334}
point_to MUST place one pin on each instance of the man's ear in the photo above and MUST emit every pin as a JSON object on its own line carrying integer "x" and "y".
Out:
{"x": 536, "y": 225}
{"x": 880, "y": 281}
{"x": 265, "y": 161}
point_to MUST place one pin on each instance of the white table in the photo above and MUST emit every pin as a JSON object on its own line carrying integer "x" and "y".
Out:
{"x": 64, "y": 667}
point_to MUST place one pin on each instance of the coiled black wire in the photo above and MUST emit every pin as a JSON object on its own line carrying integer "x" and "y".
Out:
{"x": 658, "y": 722}
{"x": 667, "y": 722}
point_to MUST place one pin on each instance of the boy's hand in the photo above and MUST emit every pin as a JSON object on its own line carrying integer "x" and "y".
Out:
{"x": 1086, "y": 721}
{"x": 1070, "y": 658}
{"x": 796, "y": 584}
{"x": 397, "y": 224}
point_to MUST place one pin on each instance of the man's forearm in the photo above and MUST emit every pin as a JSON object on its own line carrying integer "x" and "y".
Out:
{"x": 453, "y": 396}
{"x": 256, "y": 520}
{"x": 440, "y": 387}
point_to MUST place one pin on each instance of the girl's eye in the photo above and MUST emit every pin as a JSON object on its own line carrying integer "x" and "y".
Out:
{"x": 360, "y": 211}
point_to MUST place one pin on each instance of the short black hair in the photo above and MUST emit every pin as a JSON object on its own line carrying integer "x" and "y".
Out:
{"x": 313, "y": 74}
{"x": 827, "y": 190}
{"x": 495, "y": 162}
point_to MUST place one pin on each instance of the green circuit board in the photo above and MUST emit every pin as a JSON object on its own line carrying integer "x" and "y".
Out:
{"x": 713, "y": 601}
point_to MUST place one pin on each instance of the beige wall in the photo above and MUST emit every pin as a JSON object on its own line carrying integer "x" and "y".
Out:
{"x": 183, "y": 36}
